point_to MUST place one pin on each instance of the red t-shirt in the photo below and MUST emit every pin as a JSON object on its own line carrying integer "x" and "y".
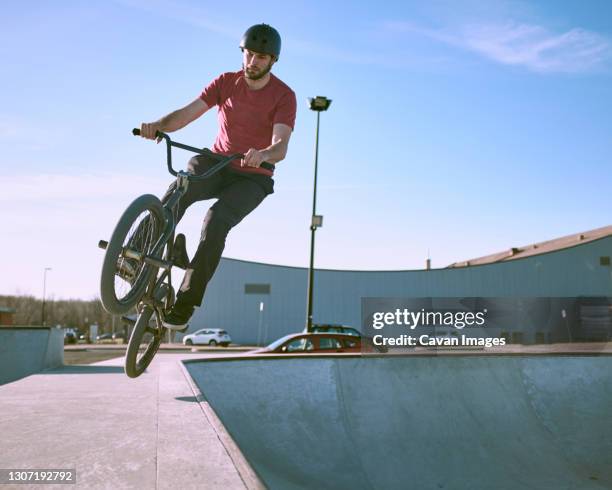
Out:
{"x": 246, "y": 116}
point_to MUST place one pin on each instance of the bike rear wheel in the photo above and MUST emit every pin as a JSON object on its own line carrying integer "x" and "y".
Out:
{"x": 147, "y": 335}
{"x": 125, "y": 277}
{"x": 144, "y": 343}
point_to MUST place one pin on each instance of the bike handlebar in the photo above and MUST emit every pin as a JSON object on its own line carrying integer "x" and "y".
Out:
{"x": 223, "y": 160}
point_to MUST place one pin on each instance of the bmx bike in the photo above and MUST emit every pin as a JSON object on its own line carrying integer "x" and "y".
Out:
{"x": 142, "y": 244}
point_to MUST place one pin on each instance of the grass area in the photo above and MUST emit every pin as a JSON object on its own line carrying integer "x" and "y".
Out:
{"x": 89, "y": 357}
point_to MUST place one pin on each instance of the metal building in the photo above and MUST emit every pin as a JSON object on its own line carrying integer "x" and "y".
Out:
{"x": 258, "y": 303}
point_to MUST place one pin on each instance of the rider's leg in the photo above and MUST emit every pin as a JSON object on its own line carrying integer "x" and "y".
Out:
{"x": 236, "y": 201}
{"x": 196, "y": 191}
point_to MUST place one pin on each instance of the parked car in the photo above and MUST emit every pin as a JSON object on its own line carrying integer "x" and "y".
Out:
{"x": 119, "y": 337}
{"x": 105, "y": 338}
{"x": 333, "y": 328}
{"x": 70, "y": 337}
{"x": 208, "y": 336}
{"x": 318, "y": 343}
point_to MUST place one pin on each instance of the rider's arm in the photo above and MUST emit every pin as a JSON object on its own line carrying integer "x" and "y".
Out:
{"x": 274, "y": 153}
{"x": 175, "y": 120}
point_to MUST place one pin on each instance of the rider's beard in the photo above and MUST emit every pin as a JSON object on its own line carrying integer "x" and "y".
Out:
{"x": 256, "y": 74}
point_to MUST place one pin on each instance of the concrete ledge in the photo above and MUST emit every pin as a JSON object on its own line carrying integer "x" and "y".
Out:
{"x": 25, "y": 351}
{"x": 249, "y": 476}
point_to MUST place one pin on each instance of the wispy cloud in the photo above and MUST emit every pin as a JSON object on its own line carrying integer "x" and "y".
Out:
{"x": 531, "y": 46}
{"x": 212, "y": 21}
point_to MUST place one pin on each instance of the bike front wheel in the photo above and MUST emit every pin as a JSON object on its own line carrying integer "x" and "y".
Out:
{"x": 125, "y": 274}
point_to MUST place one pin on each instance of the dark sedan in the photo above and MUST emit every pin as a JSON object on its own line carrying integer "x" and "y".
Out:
{"x": 334, "y": 328}
{"x": 318, "y": 343}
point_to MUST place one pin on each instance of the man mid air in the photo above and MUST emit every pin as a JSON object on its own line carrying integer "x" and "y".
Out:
{"x": 256, "y": 113}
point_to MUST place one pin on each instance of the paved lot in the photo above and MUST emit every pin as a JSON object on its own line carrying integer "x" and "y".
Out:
{"x": 330, "y": 417}
{"x": 145, "y": 433}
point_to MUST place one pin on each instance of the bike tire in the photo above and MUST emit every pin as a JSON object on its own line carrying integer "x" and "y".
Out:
{"x": 112, "y": 299}
{"x": 136, "y": 361}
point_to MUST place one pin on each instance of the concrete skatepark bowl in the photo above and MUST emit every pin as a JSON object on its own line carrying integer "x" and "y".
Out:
{"x": 429, "y": 422}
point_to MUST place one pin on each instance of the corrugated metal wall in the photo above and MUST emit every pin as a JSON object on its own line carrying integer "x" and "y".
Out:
{"x": 574, "y": 271}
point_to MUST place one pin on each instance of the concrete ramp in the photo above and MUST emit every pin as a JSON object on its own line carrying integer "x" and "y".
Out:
{"x": 474, "y": 422}
{"x": 29, "y": 350}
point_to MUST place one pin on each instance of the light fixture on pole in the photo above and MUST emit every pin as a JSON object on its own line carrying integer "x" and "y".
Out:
{"x": 317, "y": 104}
{"x": 47, "y": 269}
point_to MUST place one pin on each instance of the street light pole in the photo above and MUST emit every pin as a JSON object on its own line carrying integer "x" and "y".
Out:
{"x": 318, "y": 104}
{"x": 44, "y": 294}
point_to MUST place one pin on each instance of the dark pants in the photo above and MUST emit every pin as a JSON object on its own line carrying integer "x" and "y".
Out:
{"x": 237, "y": 195}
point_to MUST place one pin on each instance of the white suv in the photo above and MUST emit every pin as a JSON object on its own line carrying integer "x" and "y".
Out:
{"x": 208, "y": 336}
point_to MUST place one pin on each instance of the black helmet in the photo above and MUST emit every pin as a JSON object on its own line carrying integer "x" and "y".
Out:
{"x": 262, "y": 38}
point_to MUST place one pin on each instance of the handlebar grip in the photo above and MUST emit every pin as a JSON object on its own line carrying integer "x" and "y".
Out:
{"x": 266, "y": 165}
{"x": 158, "y": 134}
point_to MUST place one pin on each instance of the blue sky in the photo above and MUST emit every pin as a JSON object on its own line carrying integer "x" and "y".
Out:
{"x": 457, "y": 129}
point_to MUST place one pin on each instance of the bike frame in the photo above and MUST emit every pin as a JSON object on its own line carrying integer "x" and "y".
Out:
{"x": 170, "y": 210}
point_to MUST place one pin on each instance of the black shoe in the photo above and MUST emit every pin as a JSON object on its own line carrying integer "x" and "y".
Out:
{"x": 179, "y": 252}
{"x": 178, "y": 318}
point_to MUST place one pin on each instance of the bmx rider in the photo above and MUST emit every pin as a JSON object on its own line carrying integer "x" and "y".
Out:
{"x": 256, "y": 114}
